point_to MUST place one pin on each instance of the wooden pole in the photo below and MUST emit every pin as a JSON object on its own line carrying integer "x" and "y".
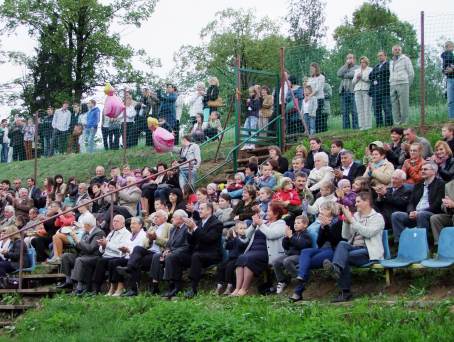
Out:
{"x": 282, "y": 97}
{"x": 422, "y": 75}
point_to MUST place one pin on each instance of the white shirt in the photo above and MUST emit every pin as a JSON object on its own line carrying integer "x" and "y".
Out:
{"x": 115, "y": 240}
{"x": 61, "y": 120}
{"x": 140, "y": 239}
{"x": 154, "y": 247}
{"x": 131, "y": 112}
{"x": 346, "y": 170}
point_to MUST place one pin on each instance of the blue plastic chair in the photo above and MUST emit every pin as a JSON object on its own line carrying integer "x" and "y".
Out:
{"x": 31, "y": 255}
{"x": 312, "y": 230}
{"x": 386, "y": 252}
{"x": 445, "y": 253}
{"x": 413, "y": 248}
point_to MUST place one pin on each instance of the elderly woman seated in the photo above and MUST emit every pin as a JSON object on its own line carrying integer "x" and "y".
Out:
{"x": 10, "y": 262}
{"x": 321, "y": 172}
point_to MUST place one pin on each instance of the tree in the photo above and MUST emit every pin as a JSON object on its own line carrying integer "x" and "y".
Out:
{"x": 307, "y": 21}
{"x": 77, "y": 48}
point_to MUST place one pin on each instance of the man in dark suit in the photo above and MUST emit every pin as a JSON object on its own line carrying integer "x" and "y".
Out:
{"x": 394, "y": 198}
{"x": 379, "y": 91}
{"x": 87, "y": 248}
{"x": 425, "y": 200}
{"x": 33, "y": 191}
{"x": 349, "y": 169}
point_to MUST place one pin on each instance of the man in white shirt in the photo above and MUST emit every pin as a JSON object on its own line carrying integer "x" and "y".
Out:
{"x": 4, "y": 130}
{"x": 60, "y": 125}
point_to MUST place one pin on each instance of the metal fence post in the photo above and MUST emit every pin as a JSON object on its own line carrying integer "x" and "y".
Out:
{"x": 422, "y": 80}
{"x": 281, "y": 132}
{"x": 237, "y": 112}
{"x": 21, "y": 258}
{"x": 35, "y": 167}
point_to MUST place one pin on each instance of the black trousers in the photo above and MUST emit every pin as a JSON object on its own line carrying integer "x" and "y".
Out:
{"x": 41, "y": 245}
{"x": 114, "y": 277}
{"x": 139, "y": 260}
{"x": 102, "y": 266}
{"x": 174, "y": 264}
{"x": 199, "y": 261}
{"x": 226, "y": 272}
{"x": 157, "y": 267}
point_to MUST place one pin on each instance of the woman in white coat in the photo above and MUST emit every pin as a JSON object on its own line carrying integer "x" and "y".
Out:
{"x": 264, "y": 247}
{"x": 361, "y": 85}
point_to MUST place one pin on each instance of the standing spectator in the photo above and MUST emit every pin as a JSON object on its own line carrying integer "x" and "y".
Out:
{"x": 29, "y": 138}
{"x": 293, "y": 103}
{"x": 266, "y": 109}
{"x": 361, "y": 84}
{"x": 346, "y": 73}
{"x": 317, "y": 83}
{"x": 130, "y": 105}
{"x": 106, "y": 132}
{"x": 82, "y": 121}
{"x": 16, "y": 136}
{"x": 75, "y": 130}
{"x": 46, "y": 132}
{"x": 167, "y": 109}
{"x": 379, "y": 90}
{"x": 212, "y": 95}
{"x": 92, "y": 125}
{"x": 188, "y": 151}
{"x": 326, "y": 111}
{"x": 196, "y": 102}
{"x": 448, "y": 69}
{"x": 252, "y": 115}
{"x": 309, "y": 110}
{"x": 4, "y": 130}
{"x": 60, "y": 125}
{"x": 401, "y": 75}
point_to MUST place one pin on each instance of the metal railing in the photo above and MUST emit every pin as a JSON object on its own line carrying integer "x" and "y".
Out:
{"x": 111, "y": 194}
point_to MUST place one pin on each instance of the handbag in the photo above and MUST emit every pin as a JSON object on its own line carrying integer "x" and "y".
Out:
{"x": 216, "y": 103}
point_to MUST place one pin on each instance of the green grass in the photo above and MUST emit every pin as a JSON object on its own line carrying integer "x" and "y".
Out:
{"x": 209, "y": 318}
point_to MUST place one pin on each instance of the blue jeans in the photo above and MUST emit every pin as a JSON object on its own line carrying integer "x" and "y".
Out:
{"x": 382, "y": 104}
{"x": 312, "y": 258}
{"x": 251, "y": 124}
{"x": 346, "y": 255}
{"x": 310, "y": 122}
{"x": 348, "y": 106}
{"x": 400, "y": 221}
{"x": 183, "y": 177}
{"x": 450, "y": 91}
{"x": 5, "y": 150}
{"x": 90, "y": 134}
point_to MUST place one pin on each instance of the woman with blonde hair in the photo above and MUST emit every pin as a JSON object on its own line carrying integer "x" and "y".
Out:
{"x": 361, "y": 85}
{"x": 444, "y": 159}
{"x": 12, "y": 257}
{"x": 212, "y": 98}
{"x": 317, "y": 83}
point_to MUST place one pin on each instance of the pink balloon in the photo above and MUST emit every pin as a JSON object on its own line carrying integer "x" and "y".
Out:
{"x": 163, "y": 140}
{"x": 113, "y": 106}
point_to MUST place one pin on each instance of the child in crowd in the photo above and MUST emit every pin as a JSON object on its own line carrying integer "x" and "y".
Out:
{"x": 265, "y": 196}
{"x": 267, "y": 178}
{"x": 309, "y": 109}
{"x": 213, "y": 125}
{"x": 198, "y": 131}
{"x": 360, "y": 184}
{"x": 297, "y": 166}
{"x": 285, "y": 266}
{"x": 345, "y": 195}
{"x": 212, "y": 192}
{"x": 250, "y": 172}
{"x": 287, "y": 194}
{"x": 326, "y": 195}
{"x": 223, "y": 208}
{"x": 235, "y": 244}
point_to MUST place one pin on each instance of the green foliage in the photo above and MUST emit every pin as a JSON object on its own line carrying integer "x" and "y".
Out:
{"x": 208, "y": 318}
{"x": 307, "y": 21}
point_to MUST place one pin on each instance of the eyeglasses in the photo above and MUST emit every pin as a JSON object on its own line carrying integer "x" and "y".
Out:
{"x": 426, "y": 169}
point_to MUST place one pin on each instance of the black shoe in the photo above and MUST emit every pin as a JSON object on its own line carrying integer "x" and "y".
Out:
{"x": 170, "y": 294}
{"x": 130, "y": 293}
{"x": 190, "y": 294}
{"x": 64, "y": 286}
{"x": 342, "y": 297}
{"x": 331, "y": 269}
{"x": 124, "y": 271}
{"x": 153, "y": 288}
{"x": 295, "y": 297}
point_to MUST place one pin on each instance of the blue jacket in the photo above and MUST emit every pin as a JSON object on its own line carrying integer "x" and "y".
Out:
{"x": 93, "y": 118}
{"x": 167, "y": 108}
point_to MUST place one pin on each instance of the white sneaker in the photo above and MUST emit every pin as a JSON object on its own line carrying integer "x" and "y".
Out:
{"x": 54, "y": 261}
{"x": 245, "y": 147}
{"x": 280, "y": 287}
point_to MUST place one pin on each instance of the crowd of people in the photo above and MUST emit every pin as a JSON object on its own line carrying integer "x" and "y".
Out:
{"x": 323, "y": 209}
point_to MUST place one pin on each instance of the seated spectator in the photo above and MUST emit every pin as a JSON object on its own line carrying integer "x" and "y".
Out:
{"x": 337, "y": 147}
{"x": 33, "y": 191}
{"x": 265, "y": 246}
{"x": 82, "y": 194}
{"x": 445, "y": 161}
{"x": 5, "y": 242}
{"x": 411, "y": 138}
{"x": 297, "y": 166}
{"x": 349, "y": 169}
{"x": 395, "y": 154}
{"x": 364, "y": 243}
{"x": 213, "y": 126}
{"x": 306, "y": 196}
{"x": 301, "y": 152}
{"x": 244, "y": 210}
{"x": 315, "y": 145}
{"x": 198, "y": 130}
{"x": 72, "y": 191}
{"x": 393, "y": 198}
{"x": 425, "y": 200}
{"x": 44, "y": 236}
{"x": 345, "y": 195}
{"x": 321, "y": 173}
{"x": 264, "y": 199}
{"x": 87, "y": 250}
{"x": 250, "y": 173}
{"x": 235, "y": 186}
{"x": 295, "y": 240}
{"x": 379, "y": 169}
{"x": 100, "y": 177}
{"x": 276, "y": 154}
{"x": 33, "y": 221}
{"x": 22, "y": 204}
{"x": 446, "y": 217}
{"x": 235, "y": 244}
{"x": 267, "y": 177}
{"x": 212, "y": 192}
{"x": 223, "y": 210}
{"x": 10, "y": 260}
{"x": 329, "y": 236}
{"x": 286, "y": 194}
{"x": 360, "y": 184}
{"x": 447, "y": 132}
{"x": 176, "y": 201}
{"x": 412, "y": 166}
{"x": 326, "y": 195}
{"x": 60, "y": 186}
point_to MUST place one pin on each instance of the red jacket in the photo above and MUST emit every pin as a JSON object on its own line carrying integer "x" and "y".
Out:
{"x": 288, "y": 195}
{"x": 64, "y": 221}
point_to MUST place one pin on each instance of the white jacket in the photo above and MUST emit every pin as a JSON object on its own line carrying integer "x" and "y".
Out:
{"x": 115, "y": 240}
{"x": 140, "y": 240}
{"x": 401, "y": 71}
{"x": 363, "y": 83}
{"x": 370, "y": 227}
{"x": 195, "y": 104}
{"x": 274, "y": 233}
{"x": 317, "y": 83}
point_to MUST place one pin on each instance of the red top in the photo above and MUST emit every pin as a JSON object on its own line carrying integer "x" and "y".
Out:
{"x": 288, "y": 195}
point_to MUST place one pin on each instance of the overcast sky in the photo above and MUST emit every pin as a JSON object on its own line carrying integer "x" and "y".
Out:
{"x": 179, "y": 22}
